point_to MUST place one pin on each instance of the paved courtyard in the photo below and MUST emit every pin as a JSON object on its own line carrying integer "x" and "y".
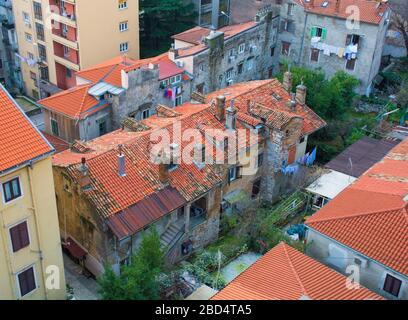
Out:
{"x": 84, "y": 288}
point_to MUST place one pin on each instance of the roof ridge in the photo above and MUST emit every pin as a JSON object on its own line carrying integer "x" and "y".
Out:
{"x": 302, "y": 287}
{"x": 65, "y": 92}
{"x": 357, "y": 215}
{"x": 78, "y": 114}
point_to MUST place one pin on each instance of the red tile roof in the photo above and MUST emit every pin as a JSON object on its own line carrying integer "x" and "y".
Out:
{"x": 58, "y": 144}
{"x": 286, "y": 274}
{"x": 369, "y": 12}
{"x": 112, "y": 194}
{"x": 371, "y": 216}
{"x": 193, "y": 36}
{"x": 20, "y": 141}
{"x": 75, "y": 103}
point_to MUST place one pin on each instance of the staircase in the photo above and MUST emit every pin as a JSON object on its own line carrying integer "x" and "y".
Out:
{"x": 170, "y": 235}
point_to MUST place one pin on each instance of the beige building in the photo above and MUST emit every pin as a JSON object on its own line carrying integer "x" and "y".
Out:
{"x": 31, "y": 265}
{"x": 56, "y": 38}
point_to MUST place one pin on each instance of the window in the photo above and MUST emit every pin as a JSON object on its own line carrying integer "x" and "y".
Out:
{"x": 318, "y": 32}
{"x": 66, "y": 51}
{"x": 124, "y": 47}
{"x": 241, "y": 48}
{"x": 37, "y": 10}
{"x": 250, "y": 64}
{"x": 285, "y": 48}
{"x": 45, "y": 74}
{"x": 175, "y": 79}
{"x": 352, "y": 39}
{"x": 28, "y": 37}
{"x": 30, "y": 56}
{"x": 232, "y": 174}
{"x": 392, "y": 285}
{"x": 123, "y": 26}
{"x": 54, "y": 127}
{"x": 290, "y": 8}
{"x": 102, "y": 128}
{"x": 26, "y": 19}
{"x": 202, "y": 67}
{"x": 145, "y": 114}
{"x": 179, "y": 101}
{"x": 240, "y": 68}
{"x": 229, "y": 74}
{"x": 40, "y": 31}
{"x": 26, "y": 281}
{"x": 272, "y": 51}
{"x": 33, "y": 75}
{"x": 11, "y": 190}
{"x": 314, "y": 55}
{"x": 351, "y": 64}
{"x": 164, "y": 84}
{"x": 19, "y": 236}
{"x": 42, "y": 52}
{"x": 68, "y": 72}
{"x": 122, "y": 4}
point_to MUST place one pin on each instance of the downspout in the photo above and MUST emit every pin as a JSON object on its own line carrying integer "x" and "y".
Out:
{"x": 7, "y": 254}
{"x": 30, "y": 168}
{"x": 303, "y": 39}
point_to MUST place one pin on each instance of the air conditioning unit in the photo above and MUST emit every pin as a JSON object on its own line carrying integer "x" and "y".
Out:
{"x": 360, "y": 261}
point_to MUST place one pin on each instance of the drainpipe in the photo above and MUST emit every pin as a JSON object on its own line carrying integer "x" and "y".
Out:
{"x": 7, "y": 254}
{"x": 30, "y": 168}
{"x": 303, "y": 40}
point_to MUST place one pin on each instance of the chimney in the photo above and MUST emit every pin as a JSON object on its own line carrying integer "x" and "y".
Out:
{"x": 220, "y": 108}
{"x": 84, "y": 167}
{"x": 199, "y": 155}
{"x": 175, "y": 154}
{"x": 301, "y": 91}
{"x": 337, "y": 7}
{"x": 249, "y": 106}
{"x": 163, "y": 168}
{"x": 121, "y": 162}
{"x": 288, "y": 81}
{"x": 231, "y": 121}
{"x": 292, "y": 102}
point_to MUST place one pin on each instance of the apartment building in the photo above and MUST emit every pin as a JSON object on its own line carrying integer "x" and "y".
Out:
{"x": 31, "y": 265}
{"x": 232, "y": 54}
{"x": 9, "y": 64}
{"x": 105, "y": 201}
{"x": 377, "y": 201}
{"x": 57, "y": 38}
{"x": 322, "y": 34}
{"x": 213, "y": 13}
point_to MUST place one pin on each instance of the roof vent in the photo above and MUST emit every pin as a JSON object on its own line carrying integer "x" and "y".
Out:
{"x": 121, "y": 162}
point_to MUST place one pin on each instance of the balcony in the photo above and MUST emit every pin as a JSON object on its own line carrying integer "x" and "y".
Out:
{"x": 65, "y": 38}
{"x": 66, "y": 56}
{"x": 64, "y": 14}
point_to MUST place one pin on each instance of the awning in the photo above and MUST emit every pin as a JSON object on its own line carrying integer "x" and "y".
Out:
{"x": 330, "y": 184}
{"x": 74, "y": 249}
{"x": 143, "y": 213}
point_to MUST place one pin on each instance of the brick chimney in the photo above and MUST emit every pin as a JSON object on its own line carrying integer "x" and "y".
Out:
{"x": 220, "y": 108}
{"x": 84, "y": 167}
{"x": 301, "y": 91}
{"x": 163, "y": 168}
{"x": 121, "y": 162}
{"x": 337, "y": 7}
{"x": 288, "y": 81}
{"x": 231, "y": 121}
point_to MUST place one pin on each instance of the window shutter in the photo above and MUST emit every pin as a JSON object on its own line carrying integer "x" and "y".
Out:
{"x": 15, "y": 238}
{"x": 313, "y": 32}
{"x": 348, "y": 39}
{"x": 324, "y": 33}
{"x": 24, "y": 238}
{"x": 229, "y": 177}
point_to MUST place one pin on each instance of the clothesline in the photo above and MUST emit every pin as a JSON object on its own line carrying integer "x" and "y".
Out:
{"x": 349, "y": 52}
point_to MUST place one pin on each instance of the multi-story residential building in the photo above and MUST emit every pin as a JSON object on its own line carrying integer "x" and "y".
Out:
{"x": 10, "y": 74}
{"x": 57, "y": 38}
{"x": 232, "y": 54}
{"x": 31, "y": 264}
{"x": 112, "y": 188}
{"x": 322, "y": 34}
{"x": 111, "y": 92}
{"x": 287, "y": 274}
{"x": 213, "y": 13}
{"x": 364, "y": 229}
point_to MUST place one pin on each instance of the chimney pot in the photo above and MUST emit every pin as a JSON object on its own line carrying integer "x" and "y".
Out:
{"x": 220, "y": 108}
{"x": 231, "y": 120}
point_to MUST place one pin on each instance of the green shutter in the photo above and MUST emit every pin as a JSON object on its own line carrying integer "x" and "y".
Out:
{"x": 313, "y": 32}
{"x": 324, "y": 33}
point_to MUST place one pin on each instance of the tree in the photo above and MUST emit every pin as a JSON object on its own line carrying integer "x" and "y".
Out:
{"x": 160, "y": 19}
{"x": 399, "y": 20}
{"x": 138, "y": 280}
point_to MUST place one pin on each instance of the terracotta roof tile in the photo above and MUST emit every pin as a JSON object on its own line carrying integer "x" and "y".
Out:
{"x": 371, "y": 216}
{"x": 20, "y": 141}
{"x": 58, "y": 144}
{"x": 286, "y": 274}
